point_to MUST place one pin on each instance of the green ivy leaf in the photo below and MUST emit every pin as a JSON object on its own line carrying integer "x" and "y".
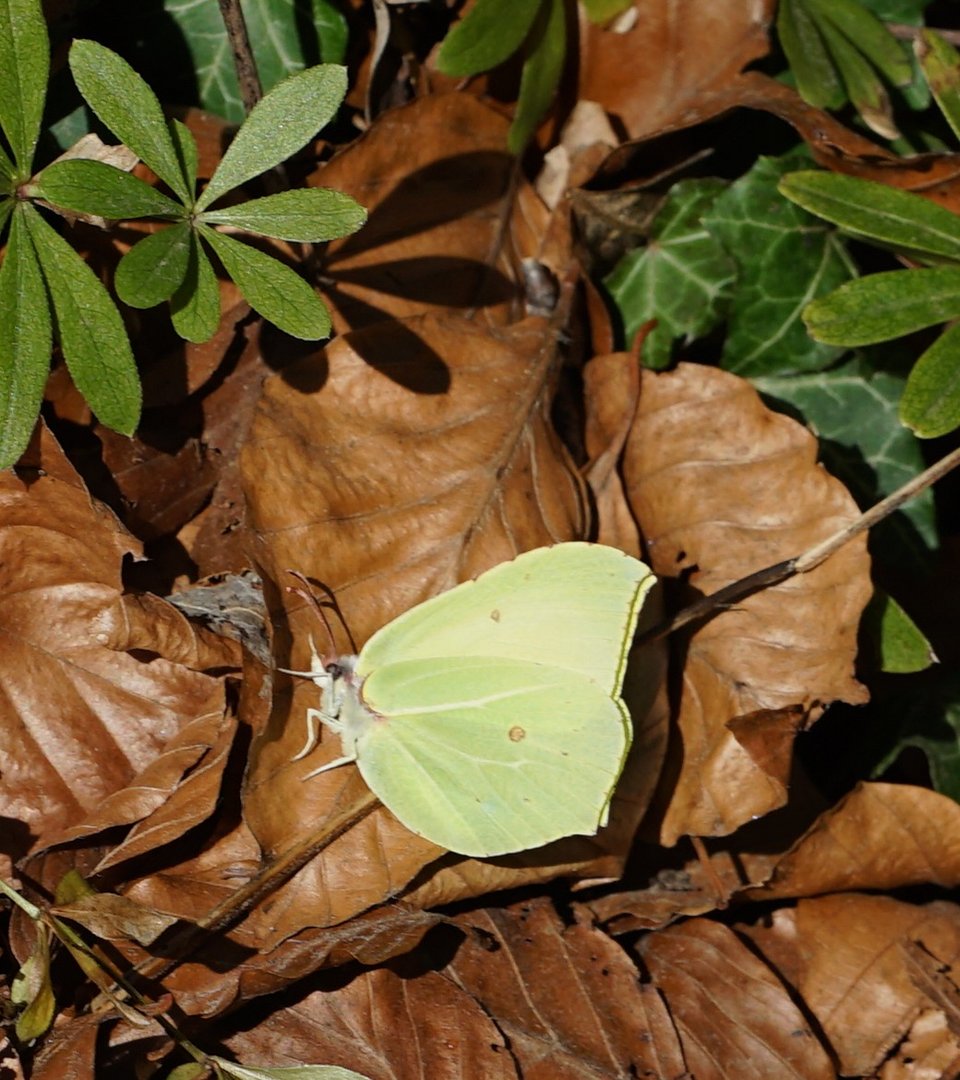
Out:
{"x": 309, "y": 215}
{"x": 195, "y": 306}
{"x": 901, "y": 646}
{"x": 92, "y": 336}
{"x": 853, "y": 409}
{"x": 785, "y": 258}
{"x": 92, "y": 187}
{"x": 24, "y": 69}
{"x": 25, "y": 341}
{"x": 490, "y": 33}
{"x": 682, "y": 278}
{"x": 930, "y": 406}
{"x": 877, "y": 212}
{"x": 272, "y": 289}
{"x": 129, "y": 108}
{"x": 278, "y": 126}
{"x": 885, "y": 306}
{"x": 154, "y": 268}
{"x": 547, "y": 50}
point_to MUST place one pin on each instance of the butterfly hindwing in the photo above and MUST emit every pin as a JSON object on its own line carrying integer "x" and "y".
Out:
{"x": 487, "y": 756}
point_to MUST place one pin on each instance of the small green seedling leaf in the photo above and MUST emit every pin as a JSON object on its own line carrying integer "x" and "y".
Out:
{"x": 812, "y": 67}
{"x": 272, "y": 289}
{"x": 91, "y": 187}
{"x": 930, "y": 405}
{"x": 861, "y": 27}
{"x": 865, "y": 89}
{"x": 195, "y": 306}
{"x": 154, "y": 268}
{"x": 32, "y": 987}
{"x": 885, "y": 306}
{"x": 285, "y": 1072}
{"x": 129, "y": 108}
{"x": 92, "y": 336}
{"x": 601, "y": 11}
{"x": 25, "y": 340}
{"x": 877, "y": 212}
{"x": 901, "y": 645}
{"x": 490, "y": 33}
{"x": 24, "y": 69}
{"x": 278, "y": 126}
{"x": 309, "y": 215}
{"x": 541, "y": 73}
{"x": 941, "y": 66}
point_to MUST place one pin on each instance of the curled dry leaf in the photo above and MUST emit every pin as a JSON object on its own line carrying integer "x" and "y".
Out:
{"x": 734, "y": 1016}
{"x": 568, "y": 999}
{"x": 845, "y": 958}
{"x": 881, "y": 836}
{"x": 724, "y": 487}
{"x": 80, "y": 718}
{"x": 663, "y": 71}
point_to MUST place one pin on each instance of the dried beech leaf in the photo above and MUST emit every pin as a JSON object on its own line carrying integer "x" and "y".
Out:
{"x": 663, "y": 71}
{"x": 611, "y": 387}
{"x": 881, "y": 836}
{"x": 384, "y": 1027}
{"x": 79, "y": 720}
{"x": 568, "y": 999}
{"x": 434, "y": 465}
{"x": 729, "y": 1008}
{"x": 842, "y": 956}
{"x": 110, "y": 917}
{"x": 433, "y": 216}
{"x": 723, "y": 487}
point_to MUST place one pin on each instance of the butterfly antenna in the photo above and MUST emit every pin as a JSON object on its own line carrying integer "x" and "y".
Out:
{"x": 307, "y": 593}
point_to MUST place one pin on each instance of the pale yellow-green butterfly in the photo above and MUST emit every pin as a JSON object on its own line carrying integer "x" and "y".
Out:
{"x": 488, "y": 719}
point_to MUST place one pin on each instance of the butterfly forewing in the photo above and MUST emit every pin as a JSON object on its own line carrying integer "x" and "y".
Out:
{"x": 485, "y": 757}
{"x": 573, "y": 606}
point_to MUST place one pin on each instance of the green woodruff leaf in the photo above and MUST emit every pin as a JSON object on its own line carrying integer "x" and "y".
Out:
{"x": 279, "y": 125}
{"x": 930, "y": 405}
{"x": 25, "y": 339}
{"x": 92, "y": 187}
{"x": 129, "y": 108}
{"x": 92, "y": 335}
{"x": 941, "y": 66}
{"x": 154, "y": 268}
{"x": 272, "y": 289}
{"x": 309, "y": 216}
{"x": 24, "y": 68}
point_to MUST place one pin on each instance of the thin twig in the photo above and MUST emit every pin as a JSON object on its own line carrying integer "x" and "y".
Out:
{"x": 247, "y": 75}
{"x": 907, "y": 32}
{"x": 808, "y": 560}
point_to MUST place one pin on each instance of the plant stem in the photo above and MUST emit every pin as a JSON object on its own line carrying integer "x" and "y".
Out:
{"x": 247, "y": 75}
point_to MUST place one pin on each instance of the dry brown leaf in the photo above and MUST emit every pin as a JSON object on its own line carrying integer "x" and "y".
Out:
{"x": 843, "y": 956}
{"x": 434, "y": 238}
{"x": 734, "y": 1017}
{"x": 80, "y": 719}
{"x": 723, "y": 487}
{"x": 568, "y": 999}
{"x": 385, "y": 1027}
{"x": 611, "y": 386}
{"x": 881, "y": 836}
{"x": 660, "y": 74}
{"x": 929, "y": 1051}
